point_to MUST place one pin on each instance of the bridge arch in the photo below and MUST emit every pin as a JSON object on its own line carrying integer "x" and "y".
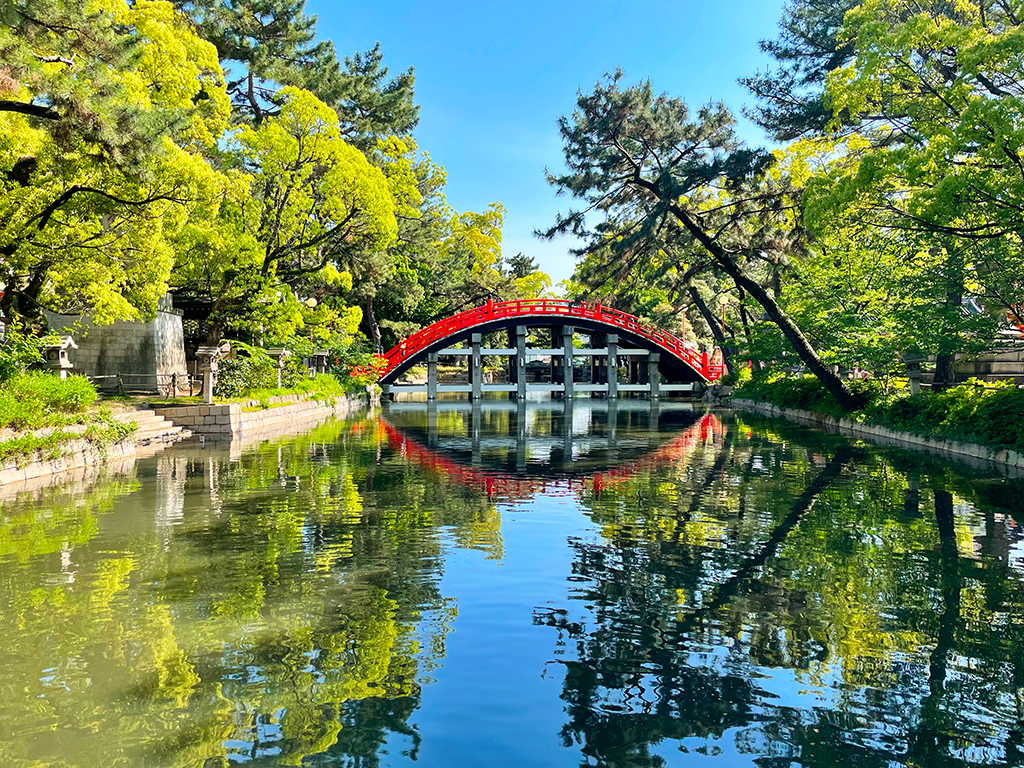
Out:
{"x": 679, "y": 361}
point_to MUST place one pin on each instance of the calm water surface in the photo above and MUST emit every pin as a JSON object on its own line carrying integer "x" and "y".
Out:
{"x": 517, "y": 587}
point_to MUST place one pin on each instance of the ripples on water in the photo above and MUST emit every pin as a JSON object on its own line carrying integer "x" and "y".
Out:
{"x": 506, "y": 586}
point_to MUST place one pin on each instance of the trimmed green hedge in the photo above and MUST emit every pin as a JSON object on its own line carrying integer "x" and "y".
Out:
{"x": 990, "y": 415}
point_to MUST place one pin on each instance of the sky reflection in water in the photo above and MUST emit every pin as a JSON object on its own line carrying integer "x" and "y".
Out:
{"x": 608, "y": 586}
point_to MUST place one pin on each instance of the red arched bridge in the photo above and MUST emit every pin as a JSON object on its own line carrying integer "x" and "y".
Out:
{"x": 655, "y": 361}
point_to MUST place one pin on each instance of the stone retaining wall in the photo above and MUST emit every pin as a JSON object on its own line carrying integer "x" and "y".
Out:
{"x": 78, "y": 454}
{"x": 227, "y": 420}
{"x": 971, "y": 453}
{"x": 138, "y": 351}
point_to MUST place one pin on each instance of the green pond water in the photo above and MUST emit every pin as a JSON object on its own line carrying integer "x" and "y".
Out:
{"x": 508, "y": 586}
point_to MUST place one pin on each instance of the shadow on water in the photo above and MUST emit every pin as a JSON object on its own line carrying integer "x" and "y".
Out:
{"x": 703, "y": 587}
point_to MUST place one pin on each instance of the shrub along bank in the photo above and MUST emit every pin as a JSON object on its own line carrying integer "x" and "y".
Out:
{"x": 991, "y": 415}
{"x": 41, "y": 415}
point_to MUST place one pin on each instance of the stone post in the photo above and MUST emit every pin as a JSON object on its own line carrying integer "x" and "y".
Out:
{"x": 567, "y": 367}
{"x": 654, "y": 375}
{"x": 56, "y": 357}
{"x": 556, "y": 340}
{"x": 613, "y": 366}
{"x": 279, "y": 356}
{"x": 432, "y": 376}
{"x": 207, "y": 357}
{"x": 476, "y": 373}
{"x": 596, "y": 363}
{"x": 913, "y": 362}
{"x": 520, "y": 363}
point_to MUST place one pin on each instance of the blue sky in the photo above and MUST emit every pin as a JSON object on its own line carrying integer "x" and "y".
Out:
{"x": 492, "y": 80}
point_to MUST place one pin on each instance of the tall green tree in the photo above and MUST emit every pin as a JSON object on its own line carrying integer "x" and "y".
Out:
{"x": 108, "y": 111}
{"x": 657, "y": 175}
{"x": 309, "y": 207}
{"x": 268, "y": 44}
{"x": 919, "y": 128}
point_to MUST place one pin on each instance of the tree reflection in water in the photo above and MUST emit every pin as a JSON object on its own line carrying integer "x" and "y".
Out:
{"x": 851, "y": 609}
{"x": 737, "y": 588}
{"x": 244, "y": 613}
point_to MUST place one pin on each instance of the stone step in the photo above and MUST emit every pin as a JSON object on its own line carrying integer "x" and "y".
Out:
{"x": 151, "y": 427}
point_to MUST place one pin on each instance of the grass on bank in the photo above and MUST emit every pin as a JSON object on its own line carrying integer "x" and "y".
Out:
{"x": 988, "y": 414}
{"x": 37, "y": 401}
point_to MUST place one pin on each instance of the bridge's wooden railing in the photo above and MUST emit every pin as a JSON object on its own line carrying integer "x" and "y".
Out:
{"x": 554, "y": 308}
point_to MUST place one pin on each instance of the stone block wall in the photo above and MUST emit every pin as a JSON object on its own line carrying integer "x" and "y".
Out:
{"x": 137, "y": 351}
{"x": 231, "y": 419}
{"x": 78, "y": 455}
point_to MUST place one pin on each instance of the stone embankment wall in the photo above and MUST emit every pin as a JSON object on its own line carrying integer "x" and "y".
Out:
{"x": 971, "y": 453}
{"x": 77, "y": 455}
{"x": 139, "y": 352}
{"x": 67, "y": 483}
{"x": 231, "y": 419}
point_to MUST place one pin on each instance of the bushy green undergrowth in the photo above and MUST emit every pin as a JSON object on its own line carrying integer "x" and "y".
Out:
{"x": 38, "y": 399}
{"x": 322, "y": 387}
{"x": 33, "y": 401}
{"x": 252, "y": 375}
{"x": 992, "y": 414}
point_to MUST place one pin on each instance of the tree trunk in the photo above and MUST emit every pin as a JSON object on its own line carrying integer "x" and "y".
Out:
{"x": 848, "y": 400}
{"x": 705, "y": 312}
{"x": 20, "y": 303}
{"x": 944, "y": 373}
{"x": 373, "y": 327}
{"x": 744, "y": 317}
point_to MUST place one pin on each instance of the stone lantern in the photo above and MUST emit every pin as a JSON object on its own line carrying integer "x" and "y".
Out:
{"x": 206, "y": 358}
{"x": 279, "y": 355}
{"x": 55, "y": 356}
{"x": 913, "y": 362}
{"x": 320, "y": 357}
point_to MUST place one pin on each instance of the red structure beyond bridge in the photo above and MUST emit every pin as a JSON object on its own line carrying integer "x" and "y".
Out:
{"x": 655, "y": 362}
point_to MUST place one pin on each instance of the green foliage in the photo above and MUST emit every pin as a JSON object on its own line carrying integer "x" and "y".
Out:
{"x": 249, "y": 369}
{"x": 252, "y": 374}
{"x": 21, "y": 350}
{"x": 92, "y": 183}
{"x": 324, "y": 387}
{"x": 46, "y": 403}
{"x": 37, "y": 399}
{"x": 909, "y": 120}
{"x": 802, "y": 392}
{"x": 973, "y": 412}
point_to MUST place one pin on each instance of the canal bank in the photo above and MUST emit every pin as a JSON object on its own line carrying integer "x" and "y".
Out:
{"x": 237, "y": 423}
{"x": 981, "y": 456}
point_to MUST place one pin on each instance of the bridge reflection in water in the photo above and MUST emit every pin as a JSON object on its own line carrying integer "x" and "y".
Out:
{"x": 517, "y": 449}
